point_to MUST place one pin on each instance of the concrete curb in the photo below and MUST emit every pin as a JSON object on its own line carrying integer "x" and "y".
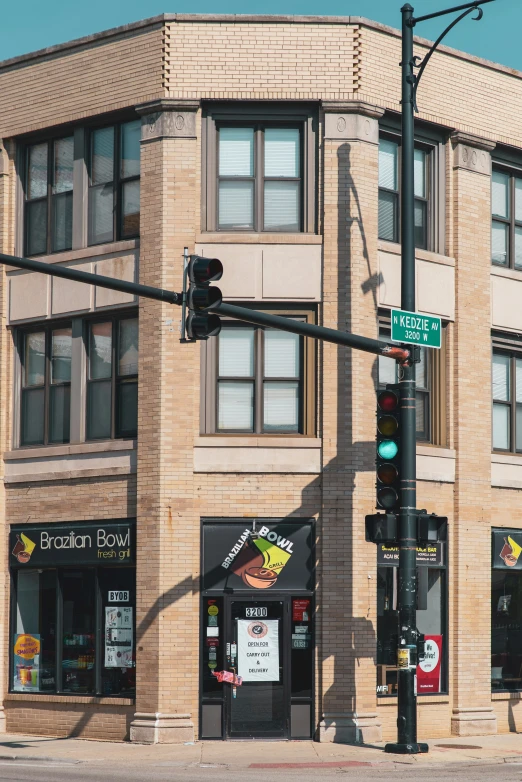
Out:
{"x": 41, "y": 759}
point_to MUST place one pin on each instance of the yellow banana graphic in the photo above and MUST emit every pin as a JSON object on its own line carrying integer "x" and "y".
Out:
{"x": 274, "y": 557}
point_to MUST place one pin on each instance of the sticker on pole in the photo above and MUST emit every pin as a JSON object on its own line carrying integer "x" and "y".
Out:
{"x": 415, "y": 329}
{"x": 403, "y": 658}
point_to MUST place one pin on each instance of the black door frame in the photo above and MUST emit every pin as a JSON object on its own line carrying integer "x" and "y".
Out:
{"x": 285, "y": 649}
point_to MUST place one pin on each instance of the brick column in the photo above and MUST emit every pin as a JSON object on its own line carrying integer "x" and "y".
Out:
{"x": 470, "y": 545}
{"x": 348, "y": 564}
{"x": 7, "y": 195}
{"x": 167, "y": 526}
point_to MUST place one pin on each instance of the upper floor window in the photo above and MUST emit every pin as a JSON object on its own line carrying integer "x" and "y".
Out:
{"x": 112, "y": 379}
{"x": 258, "y": 381}
{"x": 46, "y": 385}
{"x": 52, "y": 373}
{"x": 49, "y": 196}
{"x": 507, "y": 400}
{"x": 389, "y": 197}
{"x": 506, "y": 227}
{"x": 114, "y": 183}
{"x": 56, "y": 177}
{"x": 259, "y": 178}
{"x": 259, "y": 167}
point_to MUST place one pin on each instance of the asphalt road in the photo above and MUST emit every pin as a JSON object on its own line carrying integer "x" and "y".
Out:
{"x": 39, "y": 771}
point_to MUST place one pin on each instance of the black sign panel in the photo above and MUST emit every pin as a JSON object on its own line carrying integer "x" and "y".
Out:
{"x": 92, "y": 543}
{"x": 507, "y": 549}
{"x": 276, "y": 556}
{"x": 431, "y": 555}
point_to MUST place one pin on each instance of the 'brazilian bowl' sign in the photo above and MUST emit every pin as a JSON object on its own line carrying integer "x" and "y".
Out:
{"x": 49, "y": 545}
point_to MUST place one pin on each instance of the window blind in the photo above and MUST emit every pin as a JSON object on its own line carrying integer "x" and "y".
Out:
{"x": 281, "y": 152}
{"x": 388, "y": 164}
{"x": 236, "y": 352}
{"x": 236, "y": 152}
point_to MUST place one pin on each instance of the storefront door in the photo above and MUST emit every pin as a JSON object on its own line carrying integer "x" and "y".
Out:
{"x": 259, "y": 635}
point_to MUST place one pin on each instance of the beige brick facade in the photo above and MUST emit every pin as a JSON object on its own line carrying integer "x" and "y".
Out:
{"x": 174, "y": 71}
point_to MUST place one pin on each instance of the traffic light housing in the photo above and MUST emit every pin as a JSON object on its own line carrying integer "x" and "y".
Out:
{"x": 431, "y": 528}
{"x": 381, "y": 528}
{"x": 421, "y": 640}
{"x": 202, "y": 297}
{"x": 388, "y": 448}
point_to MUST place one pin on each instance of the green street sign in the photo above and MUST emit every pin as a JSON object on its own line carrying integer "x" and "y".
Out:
{"x": 416, "y": 329}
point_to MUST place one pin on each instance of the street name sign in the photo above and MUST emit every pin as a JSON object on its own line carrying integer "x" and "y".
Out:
{"x": 416, "y": 329}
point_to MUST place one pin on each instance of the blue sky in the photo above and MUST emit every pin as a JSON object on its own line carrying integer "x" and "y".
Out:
{"x": 28, "y": 25}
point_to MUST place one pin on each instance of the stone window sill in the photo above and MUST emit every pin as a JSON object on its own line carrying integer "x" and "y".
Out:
{"x": 93, "y": 251}
{"x": 502, "y": 271}
{"x": 506, "y": 470}
{"x": 435, "y": 463}
{"x": 99, "y": 701}
{"x": 72, "y": 448}
{"x": 217, "y": 237}
{"x": 229, "y": 454}
{"x": 421, "y": 255}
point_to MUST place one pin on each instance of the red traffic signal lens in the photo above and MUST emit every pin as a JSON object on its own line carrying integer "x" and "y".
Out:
{"x": 204, "y": 270}
{"x": 388, "y": 401}
{"x": 387, "y": 425}
{"x": 387, "y": 473}
{"x": 387, "y": 498}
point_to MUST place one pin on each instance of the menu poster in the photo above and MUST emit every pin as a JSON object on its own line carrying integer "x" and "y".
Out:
{"x": 119, "y": 637}
{"x": 26, "y": 662}
{"x": 258, "y": 650}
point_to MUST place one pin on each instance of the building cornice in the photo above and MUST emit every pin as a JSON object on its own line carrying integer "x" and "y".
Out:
{"x": 161, "y": 19}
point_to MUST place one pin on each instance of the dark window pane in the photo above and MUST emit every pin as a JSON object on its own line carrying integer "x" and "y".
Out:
{"x": 61, "y": 237}
{"x": 420, "y": 224}
{"x": 63, "y": 165}
{"x": 36, "y": 227}
{"x": 101, "y": 211}
{"x": 130, "y": 209}
{"x": 506, "y": 632}
{"x": 78, "y": 643}
{"x": 388, "y": 216}
{"x": 422, "y": 415}
{"x": 60, "y": 413}
{"x": 302, "y": 648}
{"x": 100, "y": 350}
{"x": 518, "y": 428}
{"x": 130, "y": 148}
{"x": 499, "y": 243}
{"x": 61, "y": 350}
{"x": 102, "y": 156}
{"x": 99, "y": 410}
{"x": 36, "y": 616}
{"x": 32, "y": 416}
{"x": 127, "y": 409}
{"x": 36, "y": 171}
{"x": 34, "y": 359}
{"x": 128, "y": 347}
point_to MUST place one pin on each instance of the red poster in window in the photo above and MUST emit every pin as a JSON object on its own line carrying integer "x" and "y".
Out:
{"x": 300, "y": 610}
{"x": 429, "y": 669}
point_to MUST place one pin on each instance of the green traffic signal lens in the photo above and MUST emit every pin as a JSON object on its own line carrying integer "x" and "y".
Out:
{"x": 387, "y": 425}
{"x": 387, "y": 449}
{"x": 387, "y": 498}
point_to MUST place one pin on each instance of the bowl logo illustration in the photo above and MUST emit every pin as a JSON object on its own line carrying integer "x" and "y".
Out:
{"x": 259, "y": 563}
{"x": 23, "y": 549}
{"x": 510, "y": 552}
{"x": 257, "y": 629}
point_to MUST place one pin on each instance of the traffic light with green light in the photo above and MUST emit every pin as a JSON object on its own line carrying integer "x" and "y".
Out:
{"x": 202, "y": 297}
{"x": 388, "y": 448}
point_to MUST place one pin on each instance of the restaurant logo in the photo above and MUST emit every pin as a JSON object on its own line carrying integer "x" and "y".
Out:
{"x": 258, "y": 560}
{"x": 23, "y": 549}
{"x": 257, "y": 629}
{"x": 510, "y": 552}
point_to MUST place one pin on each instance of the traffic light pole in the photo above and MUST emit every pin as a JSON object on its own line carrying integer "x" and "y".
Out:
{"x": 241, "y": 313}
{"x": 407, "y": 527}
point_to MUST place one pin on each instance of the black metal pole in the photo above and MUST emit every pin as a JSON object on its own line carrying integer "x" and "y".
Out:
{"x": 407, "y": 596}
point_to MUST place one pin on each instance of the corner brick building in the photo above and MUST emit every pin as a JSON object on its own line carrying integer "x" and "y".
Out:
{"x": 149, "y": 485}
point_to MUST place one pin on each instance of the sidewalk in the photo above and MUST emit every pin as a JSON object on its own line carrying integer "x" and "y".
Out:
{"x": 258, "y": 754}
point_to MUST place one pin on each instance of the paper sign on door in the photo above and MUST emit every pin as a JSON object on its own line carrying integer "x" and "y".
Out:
{"x": 258, "y": 650}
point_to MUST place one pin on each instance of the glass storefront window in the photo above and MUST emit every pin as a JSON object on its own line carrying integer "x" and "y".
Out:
{"x": 430, "y": 622}
{"x": 506, "y": 630}
{"x": 73, "y": 630}
{"x": 34, "y": 642}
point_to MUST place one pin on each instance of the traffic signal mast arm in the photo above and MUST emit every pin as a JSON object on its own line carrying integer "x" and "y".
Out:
{"x": 230, "y": 310}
